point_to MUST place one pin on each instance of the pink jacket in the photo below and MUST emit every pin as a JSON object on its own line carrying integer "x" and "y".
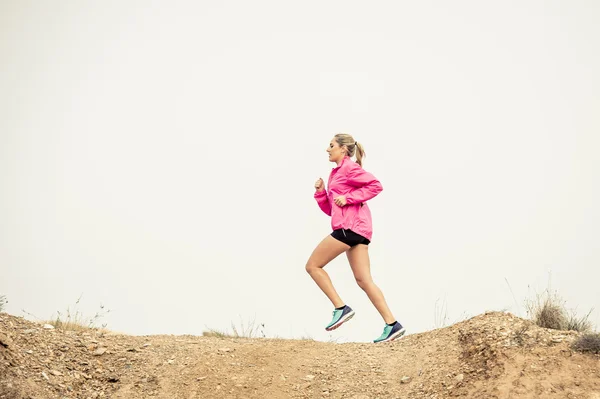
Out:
{"x": 351, "y": 180}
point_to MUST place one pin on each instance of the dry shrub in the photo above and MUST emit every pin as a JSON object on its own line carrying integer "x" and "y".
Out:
{"x": 581, "y": 324}
{"x": 588, "y": 343}
{"x": 548, "y": 310}
{"x": 74, "y": 320}
{"x": 249, "y": 330}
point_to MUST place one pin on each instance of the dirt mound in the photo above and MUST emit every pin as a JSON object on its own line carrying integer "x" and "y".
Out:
{"x": 494, "y": 355}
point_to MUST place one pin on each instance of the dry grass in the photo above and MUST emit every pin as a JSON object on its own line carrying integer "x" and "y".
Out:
{"x": 440, "y": 314}
{"x": 588, "y": 343}
{"x": 216, "y": 333}
{"x": 2, "y": 302}
{"x": 74, "y": 320}
{"x": 520, "y": 334}
{"x": 581, "y": 324}
{"x": 548, "y": 310}
{"x": 551, "y": 315}
{"x": 249, "y": 330}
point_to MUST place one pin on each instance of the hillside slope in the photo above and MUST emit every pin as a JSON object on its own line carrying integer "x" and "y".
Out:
{"x": 494, "y": 355}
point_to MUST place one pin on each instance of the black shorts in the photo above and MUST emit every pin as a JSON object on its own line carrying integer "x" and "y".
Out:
{"x": 349, "y": 237}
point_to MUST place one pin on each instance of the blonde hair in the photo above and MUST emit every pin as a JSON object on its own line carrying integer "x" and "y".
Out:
{"x": 353, "y": 146}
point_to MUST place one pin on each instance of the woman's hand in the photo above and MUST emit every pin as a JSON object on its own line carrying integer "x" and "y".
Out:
{"x": 340, "y": 201}
{"x": 319, "y": 185}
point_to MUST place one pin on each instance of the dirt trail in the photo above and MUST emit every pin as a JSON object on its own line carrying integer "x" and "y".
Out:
{"x": 494, "y": 355}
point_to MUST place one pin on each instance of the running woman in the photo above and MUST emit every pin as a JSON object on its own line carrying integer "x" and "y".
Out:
{"x": 348, "y": 190}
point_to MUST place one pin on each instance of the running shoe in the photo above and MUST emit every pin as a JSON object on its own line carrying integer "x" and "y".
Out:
{"x": 340, "y": 316}
{"x": 391, "y": 333}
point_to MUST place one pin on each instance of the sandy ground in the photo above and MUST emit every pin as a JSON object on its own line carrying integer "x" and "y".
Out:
{"x": 493, "y": 355}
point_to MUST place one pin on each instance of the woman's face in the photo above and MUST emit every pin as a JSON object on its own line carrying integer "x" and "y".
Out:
{"x": 336, "y": 153}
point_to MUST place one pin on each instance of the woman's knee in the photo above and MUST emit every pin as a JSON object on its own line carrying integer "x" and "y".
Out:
{"x": 364, "y": 283}
{"x": 311, "y": 267}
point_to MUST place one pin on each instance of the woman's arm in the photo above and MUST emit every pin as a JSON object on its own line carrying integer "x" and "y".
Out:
{"x": 366, "y": 186}
{"x": 323, "y": 201}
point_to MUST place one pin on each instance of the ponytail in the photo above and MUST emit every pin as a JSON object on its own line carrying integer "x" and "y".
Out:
{"x": 352, "y": 146}
{"x": 360, "y": 153}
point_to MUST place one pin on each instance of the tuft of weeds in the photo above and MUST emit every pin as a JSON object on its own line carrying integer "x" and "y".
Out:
{"x": 581, "y": 324}
{"x": 520, "y": 335}
{"x": 249, "y": 330}
{"x": 3, "y": 302}
{"x": 215, "y": 333}
{"x": 589, "y": 342}
{"x": 548, "y": 310}
{"x": 440, "y": 315}
{"x": 74, "y": 320}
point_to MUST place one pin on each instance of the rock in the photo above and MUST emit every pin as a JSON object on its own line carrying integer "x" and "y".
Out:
{"x": 45, "y": 376}
{"x": 459, "y": 377}
{"x": 100, "y": 351}
{"x": 309, "y": 377}
{"x": 55, "y": 373}
{"x": 48, "y": 326}
{"x": 224, "y": 350}
{"x": 405, "y": 380}
{"x": 5, "y": 341}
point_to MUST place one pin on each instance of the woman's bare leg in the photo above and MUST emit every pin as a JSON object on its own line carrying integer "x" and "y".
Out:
{"x": 358, "y": 256}
{"x": 325, "y": 252}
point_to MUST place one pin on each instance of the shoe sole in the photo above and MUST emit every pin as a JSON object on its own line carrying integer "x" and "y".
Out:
{"x": 394, "y": 336}
{"x": 341, "y": 321}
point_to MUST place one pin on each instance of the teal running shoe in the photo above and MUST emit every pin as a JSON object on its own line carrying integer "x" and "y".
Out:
{"x": 391, "y": 333}
{"x": 340, "y": 316}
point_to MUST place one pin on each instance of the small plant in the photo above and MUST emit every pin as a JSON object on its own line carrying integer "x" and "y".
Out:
{"x": 547, "y": 311}
{"x": 440, "y": 316}
{"x": 3, "y": 302}
{"x": 75, "y": 321}
{"x": 251, "y": 330}
{"x": 215, "y": 333}
{"x": 520, "y": 334}
{"x": 588, "y": 343}
{"x": 581, "y": 324}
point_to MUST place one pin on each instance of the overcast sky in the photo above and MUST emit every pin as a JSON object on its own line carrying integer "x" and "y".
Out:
{"x": 159, "y": 158}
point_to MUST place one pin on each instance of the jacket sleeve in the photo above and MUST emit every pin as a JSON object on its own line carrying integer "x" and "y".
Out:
{"x": 323, "y": 201}
{"x": 366, "y": 186}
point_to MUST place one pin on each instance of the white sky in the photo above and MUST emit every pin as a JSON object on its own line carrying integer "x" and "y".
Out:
{"x": 159, "y": 157}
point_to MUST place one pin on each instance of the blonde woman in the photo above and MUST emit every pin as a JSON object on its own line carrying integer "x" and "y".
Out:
{"x": 348, "y": 189}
